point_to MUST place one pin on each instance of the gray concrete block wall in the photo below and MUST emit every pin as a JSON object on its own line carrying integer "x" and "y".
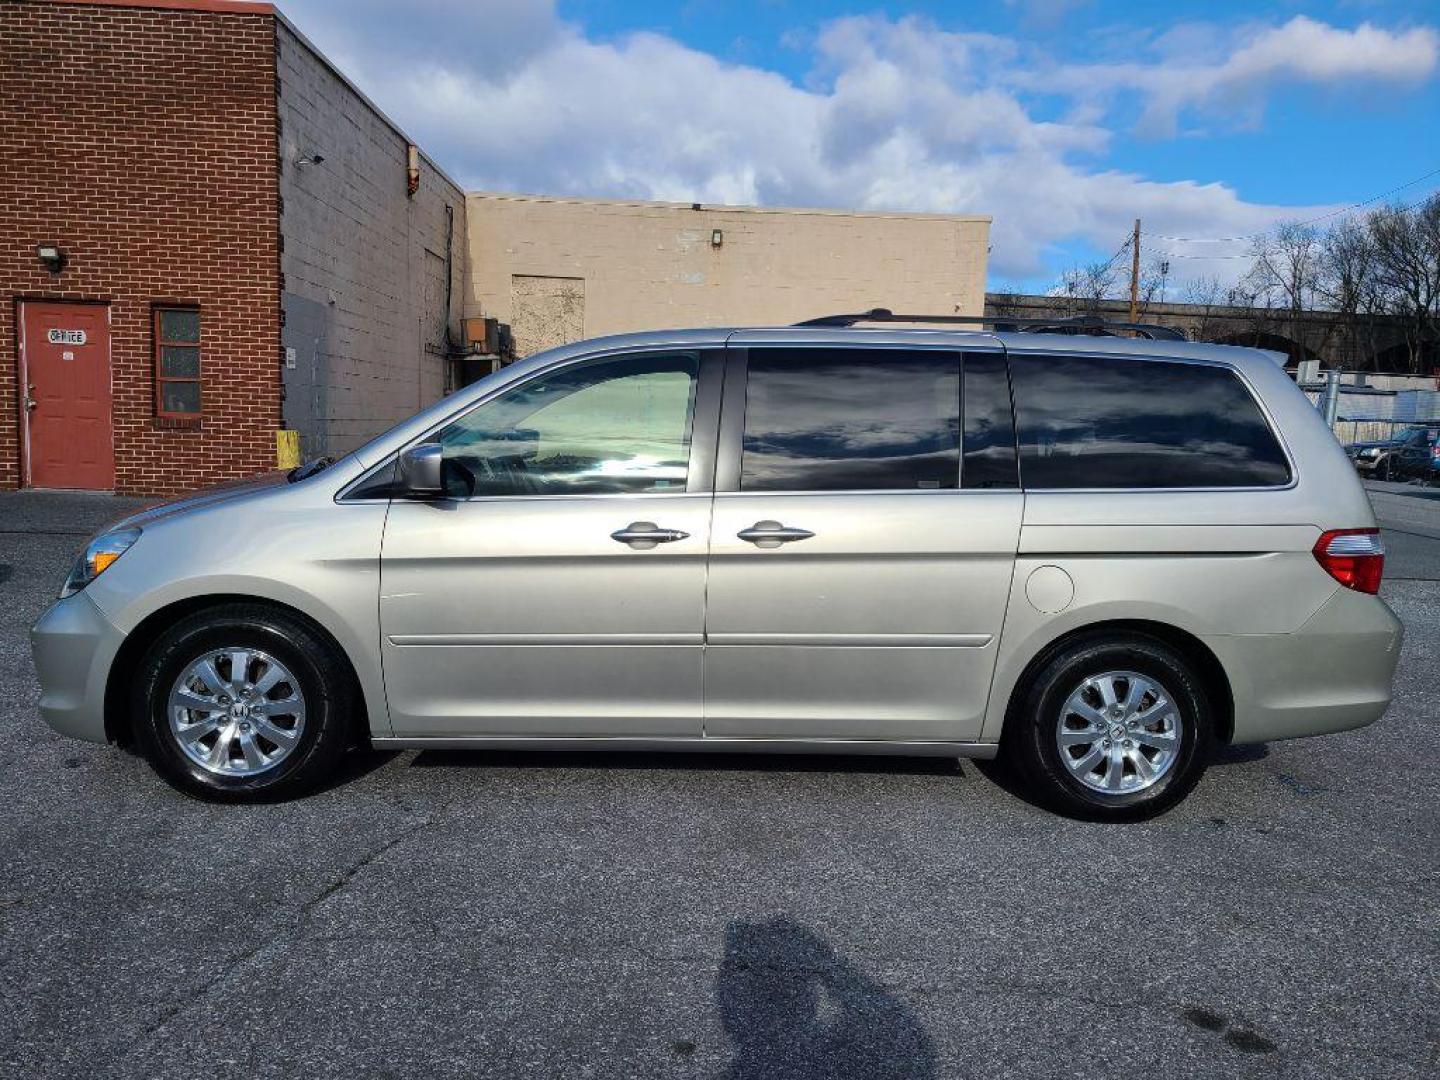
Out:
{"x": 364, "y": 263}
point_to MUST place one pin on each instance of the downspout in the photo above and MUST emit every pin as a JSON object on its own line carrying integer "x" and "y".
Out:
{"x": 450, "y": 380}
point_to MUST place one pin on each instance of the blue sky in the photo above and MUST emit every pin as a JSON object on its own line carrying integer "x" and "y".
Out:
{"x": 1356, "y": 141}
{"x": 1063, "y": 119}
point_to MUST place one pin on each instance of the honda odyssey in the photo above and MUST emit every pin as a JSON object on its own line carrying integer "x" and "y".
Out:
{"x": 1097, "y": 556}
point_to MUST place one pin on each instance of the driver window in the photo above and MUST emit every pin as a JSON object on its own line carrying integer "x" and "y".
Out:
{"x": 611, "y": 427}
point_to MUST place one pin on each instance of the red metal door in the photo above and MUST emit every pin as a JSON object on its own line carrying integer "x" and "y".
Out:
{"x": 65, "y": 352}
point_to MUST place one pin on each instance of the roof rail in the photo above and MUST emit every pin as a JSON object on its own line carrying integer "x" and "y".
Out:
{"x": 1075, "y": 324}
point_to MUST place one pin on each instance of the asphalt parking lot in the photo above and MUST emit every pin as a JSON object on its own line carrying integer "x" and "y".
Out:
{"x": 440, "y": 915}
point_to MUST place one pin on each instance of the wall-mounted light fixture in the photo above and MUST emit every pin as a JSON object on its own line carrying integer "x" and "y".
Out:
{"x": 717, "y": 237}
{"x": 51, "y": 256}
{"x": 306, "y": 160}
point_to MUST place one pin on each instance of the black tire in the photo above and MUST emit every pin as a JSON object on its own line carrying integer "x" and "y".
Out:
{"x": 324, "y": 679}
{"x": 1029, "y": 741}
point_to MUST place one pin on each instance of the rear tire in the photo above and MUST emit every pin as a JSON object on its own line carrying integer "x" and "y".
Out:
{"x": 1112, "y": 728}
{"x": 243, "y": 703}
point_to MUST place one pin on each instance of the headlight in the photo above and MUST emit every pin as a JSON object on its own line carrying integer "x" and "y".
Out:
{"x": 1374, "y": 451}
{"x": 99, "y": 554}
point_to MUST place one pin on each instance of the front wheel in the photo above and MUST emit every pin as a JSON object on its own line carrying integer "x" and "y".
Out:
{"x": 243, "y": 703}
{"x": 1112, "y": 729}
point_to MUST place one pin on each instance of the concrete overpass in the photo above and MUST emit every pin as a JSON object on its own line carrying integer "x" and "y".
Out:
{"x": 1362, "y": 343}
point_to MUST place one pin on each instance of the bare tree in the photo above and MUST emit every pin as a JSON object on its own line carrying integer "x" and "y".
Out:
{"x": 1347, "y": 290}
{"x": 1083, "y": 287}
{"x": 1286, "y": 267}
{"x": 1210, "y": 296}
{"x": 1283, "y": 278}
{"x": 1407, "y": 273}
{"x": 1345, "y": 284}
{"x": 1152, "y": 281}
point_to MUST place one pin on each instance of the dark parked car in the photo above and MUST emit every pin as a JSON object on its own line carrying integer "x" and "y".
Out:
{"x": 1418, "y": 455}
{"x": 1376, "y": 459}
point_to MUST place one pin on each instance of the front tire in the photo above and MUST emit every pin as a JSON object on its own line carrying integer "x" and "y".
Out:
{"x": 243, "y": 703}
{"x": 1113, "y": 728}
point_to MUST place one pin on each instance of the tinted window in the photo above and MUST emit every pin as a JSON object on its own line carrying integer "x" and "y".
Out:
{"x": 851, "y": 419}
{"x": 1088, "y": 422}
{"x": 617, "y": 426}
{"x": 989, "y": 424}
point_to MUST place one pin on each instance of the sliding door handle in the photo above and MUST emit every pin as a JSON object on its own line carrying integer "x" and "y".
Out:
{"x": 771, "y": 534}
{"x": 643, "y": 535}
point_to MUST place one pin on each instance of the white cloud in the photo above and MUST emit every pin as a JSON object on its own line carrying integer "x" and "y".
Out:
{"x": 897, "y": 115}
{"x": 1196, "y": 66}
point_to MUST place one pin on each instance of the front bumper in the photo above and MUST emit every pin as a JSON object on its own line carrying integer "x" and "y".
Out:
{"x": 74, "y": 645}
{"x": 1332, "y": 674}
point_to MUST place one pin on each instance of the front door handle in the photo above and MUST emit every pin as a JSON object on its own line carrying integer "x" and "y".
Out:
{"x": 771, "y": 534}
{"x": 644, "y": 535}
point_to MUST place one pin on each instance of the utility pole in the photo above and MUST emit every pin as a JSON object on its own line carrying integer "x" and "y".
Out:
{"x": 1135, "y": 273}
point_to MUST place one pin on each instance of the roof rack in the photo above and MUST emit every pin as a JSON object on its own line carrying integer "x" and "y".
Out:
{"x": 1075, "y": 324}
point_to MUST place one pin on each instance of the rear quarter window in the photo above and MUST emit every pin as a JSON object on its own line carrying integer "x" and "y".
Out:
{"x": 1100, "y": 422}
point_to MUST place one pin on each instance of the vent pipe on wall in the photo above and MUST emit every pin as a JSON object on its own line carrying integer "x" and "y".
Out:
{"x": 412, "y": 169}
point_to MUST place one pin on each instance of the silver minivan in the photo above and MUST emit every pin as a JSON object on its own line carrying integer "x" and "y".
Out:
{"x": 1099, "y": 556}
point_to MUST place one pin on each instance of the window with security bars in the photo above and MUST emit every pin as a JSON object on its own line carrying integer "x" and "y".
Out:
{"x": 177, "y": 362}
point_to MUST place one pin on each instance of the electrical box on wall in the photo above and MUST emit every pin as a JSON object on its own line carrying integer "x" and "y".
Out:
{"x": 482, "y": 335}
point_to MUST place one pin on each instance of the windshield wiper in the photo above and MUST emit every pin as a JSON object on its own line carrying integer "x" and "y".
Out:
{"x": 309, "y": 469}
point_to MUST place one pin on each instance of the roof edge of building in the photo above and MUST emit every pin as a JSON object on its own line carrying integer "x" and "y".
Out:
{"x": 818, "y": 211}
{"x": 218, "y": 7}
{"x": 335, "y": 70}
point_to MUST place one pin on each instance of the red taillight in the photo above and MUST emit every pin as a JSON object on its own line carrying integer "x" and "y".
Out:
{"x": 1353, "y": 557}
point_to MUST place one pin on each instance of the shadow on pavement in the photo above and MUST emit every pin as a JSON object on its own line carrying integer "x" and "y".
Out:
{"x": 697, "y": 762}
{"x": 792, "y": 1007}
{"x": 1239, "y": 755}
{"x": 359, "y": 762}
{"x": 1003, "y": 775}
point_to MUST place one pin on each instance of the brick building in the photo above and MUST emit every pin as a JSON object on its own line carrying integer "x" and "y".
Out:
{"x": 207, "y": 235}
{"x": 210, "y": 240}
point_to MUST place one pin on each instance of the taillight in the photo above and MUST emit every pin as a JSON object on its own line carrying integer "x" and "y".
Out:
{"x": 1353, "y": 557}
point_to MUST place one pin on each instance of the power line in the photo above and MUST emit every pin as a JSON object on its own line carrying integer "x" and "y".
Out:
{"x": 1309, "y": 221}
{"x": 1375, "y": 198}
{"x": 1118, "y": 252}
{"x": 1207, "y": 258}
{"x": 1201, "y": 239}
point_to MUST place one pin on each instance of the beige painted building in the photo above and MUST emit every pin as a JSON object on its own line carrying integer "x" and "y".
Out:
{"x": 560, "y": 269}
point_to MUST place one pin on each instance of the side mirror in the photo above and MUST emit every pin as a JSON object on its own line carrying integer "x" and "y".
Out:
{"x": 420, "y": 469}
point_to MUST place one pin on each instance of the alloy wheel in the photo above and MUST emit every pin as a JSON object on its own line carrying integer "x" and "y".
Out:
{"x": 236, "y": 712}
{"x": 1119, "y": 732}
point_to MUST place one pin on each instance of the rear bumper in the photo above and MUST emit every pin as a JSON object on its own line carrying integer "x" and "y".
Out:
{"x": 1332, "y": 674}
{"x": 74, "y": 646}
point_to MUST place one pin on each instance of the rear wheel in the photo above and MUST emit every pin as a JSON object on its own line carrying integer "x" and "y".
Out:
{"x": 1112, "y": 729}
{"x": 243, "y": 703}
